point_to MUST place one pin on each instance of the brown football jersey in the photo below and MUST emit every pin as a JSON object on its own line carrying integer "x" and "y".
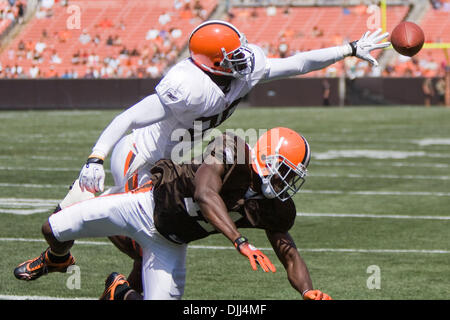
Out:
{"x": 178, "y": 218}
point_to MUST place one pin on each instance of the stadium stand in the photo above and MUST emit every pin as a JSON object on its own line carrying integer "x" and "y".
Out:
{"x": 10, "y": 12}
{"x": 119, "y": 38}
{"x": 127, "y": 39}
{"x": 283, "y": 31}
{"x": 429, "y": 62}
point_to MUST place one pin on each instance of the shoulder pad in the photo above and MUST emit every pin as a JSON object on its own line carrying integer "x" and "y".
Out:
{"x": 184, "y": 82}
{"x": 261, "y": 64}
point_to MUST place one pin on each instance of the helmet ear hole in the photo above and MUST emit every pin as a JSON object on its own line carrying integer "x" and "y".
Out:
{"x": 217, "y": 64}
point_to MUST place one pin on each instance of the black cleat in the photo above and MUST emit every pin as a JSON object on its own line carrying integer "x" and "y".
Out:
{"x": 37, "y": 267}
{"x": 116, "y": 285}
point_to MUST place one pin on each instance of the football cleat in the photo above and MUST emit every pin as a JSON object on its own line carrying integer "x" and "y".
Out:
{"x": 115, "y": 285}
{"x": 37, "y": 267}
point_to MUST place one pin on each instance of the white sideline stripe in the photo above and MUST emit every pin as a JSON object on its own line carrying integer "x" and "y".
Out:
{"x": 21, "y": 206}
{"x": 316, "y": 163}
{"x": 380, "y": 176}
{"x": 376, "y": 154}
{"x": 102, "y": 243}
{"x": 37, "y": 169}
{"x": 11, "y": 297}
{"x": 38, "y": 158}
{"x": 31, "y": 185}
{"x": 335, "y": 250}
{"x": 38, "y": 186}
{"x": 23, "y": 212}
{"x": 27, "y": 201}
{"x": 378, "y": 193}
{"x": 378, "y": 164}
{"x": 43, "y": 169}
{"x": 325, "y": 175}
{"x": 364, "y": 193}
{"x": 50, "y": 203}
{"x": 95, "y": 243}
{"x": 377, "y": 216}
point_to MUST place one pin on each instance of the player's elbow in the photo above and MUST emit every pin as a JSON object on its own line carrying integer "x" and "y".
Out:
{"x": 204, "y": 196}
{"x": 46, "y": 229}
{"x": 123, "y": 119}
{"x": 201, "y": 196}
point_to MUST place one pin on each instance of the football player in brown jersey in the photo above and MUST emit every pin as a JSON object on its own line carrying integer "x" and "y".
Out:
{"x": 233, "y": 187}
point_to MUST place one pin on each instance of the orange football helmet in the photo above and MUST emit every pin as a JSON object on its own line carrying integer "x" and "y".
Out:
{"x": 280, "y": 157}
{"x": 218, "y": 47}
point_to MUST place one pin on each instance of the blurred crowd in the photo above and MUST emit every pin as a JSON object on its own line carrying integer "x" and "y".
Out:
{"x": 163, "y": 43}
{"x": 428, "y": 63}
{"x": 11, "y": 11}
{"x": 101, "y": 52}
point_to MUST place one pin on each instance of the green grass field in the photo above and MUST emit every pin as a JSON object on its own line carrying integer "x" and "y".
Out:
{"x": 378, "y": 194}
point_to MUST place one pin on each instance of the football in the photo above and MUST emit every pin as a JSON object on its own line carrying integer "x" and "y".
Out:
{"x": 407, "y": 38}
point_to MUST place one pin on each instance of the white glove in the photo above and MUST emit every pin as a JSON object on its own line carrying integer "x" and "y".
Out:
{"x": 92, "y": 176}
{"x": 367, "y": 43}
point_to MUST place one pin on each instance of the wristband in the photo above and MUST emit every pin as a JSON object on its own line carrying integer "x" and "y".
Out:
{"x": 94, "y": 160}
{"x": 353, "y": 45}
{"x": 305, "y": 291}
{"x": 239, "y": 241}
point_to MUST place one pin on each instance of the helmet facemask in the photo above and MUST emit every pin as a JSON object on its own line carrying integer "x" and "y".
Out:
{"x": 240, "y": 61}
{"x": 284, "y": 179}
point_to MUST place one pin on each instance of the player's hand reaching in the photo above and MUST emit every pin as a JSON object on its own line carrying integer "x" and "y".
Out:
{"x": 254, "y": 255}
{"x": 92, "y": 175}
{"x": 315, "y": 295}
{"x": 368, "y": 42}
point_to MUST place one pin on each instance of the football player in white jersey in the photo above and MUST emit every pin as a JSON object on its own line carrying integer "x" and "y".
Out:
{"x": 207, "y": 86}
{"x": 222, "y": 68}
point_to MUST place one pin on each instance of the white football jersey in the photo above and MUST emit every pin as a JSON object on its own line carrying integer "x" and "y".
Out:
{"x": 191, "y": 96}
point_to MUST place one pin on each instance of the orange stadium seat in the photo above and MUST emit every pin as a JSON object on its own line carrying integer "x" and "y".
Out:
{"x": 281, "y": 31}
{"x": 307, "y": 28}
{"x": 127, "y": 20}
{"x": 429, "y": 62}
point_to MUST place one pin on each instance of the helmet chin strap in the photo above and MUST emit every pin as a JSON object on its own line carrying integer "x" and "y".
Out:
{"x": 267, "y": 190}
{"x": 266, "y": 187}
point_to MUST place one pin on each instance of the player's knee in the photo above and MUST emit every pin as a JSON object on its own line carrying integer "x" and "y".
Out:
{"x": 47, "y": 229}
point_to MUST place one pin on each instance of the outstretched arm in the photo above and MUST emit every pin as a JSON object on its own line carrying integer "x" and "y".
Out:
{"x": 208, "y": 183}
{"x": 296, "y": 269}
{"x": 144, "y": 113}
{"x": 308, "y": 61}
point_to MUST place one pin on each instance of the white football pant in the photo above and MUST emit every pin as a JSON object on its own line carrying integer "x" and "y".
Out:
{"x": 129, "y": 214}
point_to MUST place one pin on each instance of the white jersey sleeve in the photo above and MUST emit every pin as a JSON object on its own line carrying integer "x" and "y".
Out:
{"x": 304, "y": 62}
{"x": 144, "y": 113}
